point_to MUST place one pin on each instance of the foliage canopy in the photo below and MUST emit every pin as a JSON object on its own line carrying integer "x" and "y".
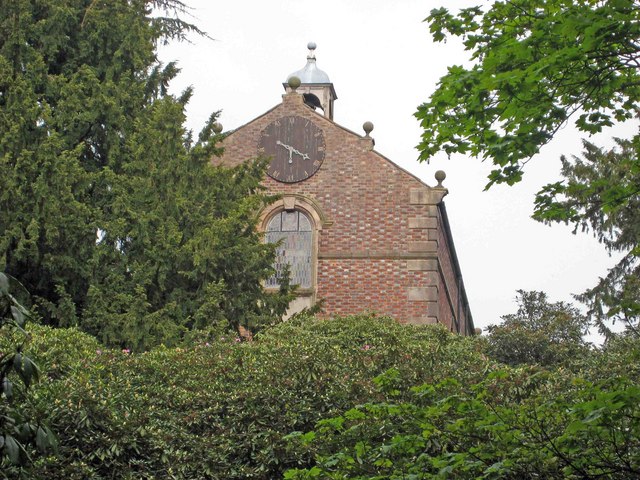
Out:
{"x": 368, "y": 397}
{"x": 536, "y": 65}
{"x": 113, "y": 217}
{"x": 539, "y": 333}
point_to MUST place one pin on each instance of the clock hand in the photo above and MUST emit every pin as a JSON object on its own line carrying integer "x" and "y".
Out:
{"x": 287, "y": 147}
{"x": 291, "y": 151}
{"x": 303, "y": 155}
{"x": 284, "y": 145}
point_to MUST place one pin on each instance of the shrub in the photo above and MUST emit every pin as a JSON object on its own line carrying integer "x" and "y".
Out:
{"x": 507, "y": 426}
{"x": 525, "y": 421}
{"x": 222, "y": 409}
{"x": 19, "y": 431}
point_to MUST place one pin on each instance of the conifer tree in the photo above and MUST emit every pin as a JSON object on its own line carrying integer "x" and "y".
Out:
{"x": 112, "y": 216}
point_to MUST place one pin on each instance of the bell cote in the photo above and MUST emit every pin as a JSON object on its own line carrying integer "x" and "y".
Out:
{"x": 315, "y": 86}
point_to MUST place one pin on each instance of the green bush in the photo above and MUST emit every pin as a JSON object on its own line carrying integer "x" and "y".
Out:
{"x": 19, "y": 430}
{"x": 540, "y": 333}
{"x": 222, "y": 409}
{"x": 525, "y": 422}
{"x": 368, "y": 398}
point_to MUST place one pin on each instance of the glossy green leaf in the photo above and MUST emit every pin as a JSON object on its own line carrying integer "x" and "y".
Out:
{"x": 17, "y": 315}
{"x": 7, "y": 388}
{"x": 12, "y": 449}
{"x": 4, "y": 284}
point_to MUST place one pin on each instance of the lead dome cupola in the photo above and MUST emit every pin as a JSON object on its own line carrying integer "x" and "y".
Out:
{"x": 311, "y": 73}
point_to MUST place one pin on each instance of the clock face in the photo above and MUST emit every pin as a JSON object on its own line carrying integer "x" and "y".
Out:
{"x": 296, "y": 146}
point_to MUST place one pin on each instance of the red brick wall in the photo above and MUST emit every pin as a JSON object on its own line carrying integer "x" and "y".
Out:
{"x": 351, "y": 286}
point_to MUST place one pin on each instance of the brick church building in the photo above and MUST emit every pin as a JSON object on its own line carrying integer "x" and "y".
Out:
{"x": 356, "y": 229}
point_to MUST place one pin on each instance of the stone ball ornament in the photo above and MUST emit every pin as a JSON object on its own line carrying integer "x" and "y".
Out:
{"x": 367, "y": 127}
{"x": 294, "y": 82}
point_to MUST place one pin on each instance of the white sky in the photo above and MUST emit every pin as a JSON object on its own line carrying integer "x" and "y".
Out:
{"x": 383, "y": 64}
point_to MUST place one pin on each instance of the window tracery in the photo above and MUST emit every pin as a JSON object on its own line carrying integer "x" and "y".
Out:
{"x": 295, "y": 231}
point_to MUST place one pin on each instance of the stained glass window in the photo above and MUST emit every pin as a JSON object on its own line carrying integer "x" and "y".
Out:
{"x": 294, "y": 229}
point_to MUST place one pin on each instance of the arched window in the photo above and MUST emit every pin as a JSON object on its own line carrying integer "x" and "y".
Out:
{"x": 295, "y": 230}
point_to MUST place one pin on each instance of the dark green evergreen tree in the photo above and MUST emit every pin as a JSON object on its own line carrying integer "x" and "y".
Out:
{"x": 113, "y": 217}
{"x": 601, "y": 193}
{"x": 540, "y": 332}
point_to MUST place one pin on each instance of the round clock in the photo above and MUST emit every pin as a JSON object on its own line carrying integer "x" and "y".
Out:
{"x": 296, "y": 146}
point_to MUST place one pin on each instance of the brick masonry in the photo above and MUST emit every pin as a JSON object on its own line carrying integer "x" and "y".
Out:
{"x": 382, "y": 247}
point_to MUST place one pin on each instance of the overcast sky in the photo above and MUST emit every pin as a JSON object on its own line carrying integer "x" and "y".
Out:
{"x": 383, "y": 64}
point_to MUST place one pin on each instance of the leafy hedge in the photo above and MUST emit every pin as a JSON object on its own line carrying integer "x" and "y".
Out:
{"x": 368, "y": 398}
{"x": 18, "y": 430}
{"x": 222, "y": 409}
{"x": 508, "y": 426}
{"x": 524, "y": 422}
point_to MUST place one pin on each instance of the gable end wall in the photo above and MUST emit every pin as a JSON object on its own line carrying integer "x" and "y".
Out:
{"x": 380, "y": 248}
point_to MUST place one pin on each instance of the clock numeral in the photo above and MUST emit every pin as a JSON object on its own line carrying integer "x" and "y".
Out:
{"x": 307, "y": 124}
{"x": 292, "y": 120}
{"x": 277, "y": 122}
{"x": 275, "y": 173}
{"x": 289, "y": 178}
{"x": 320, "y": 148}
{"x": 316, "y": 163}
{"x": 306, "y": 174}
{"x": 261, "y": 151}
{"x": 317, "y": 134}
